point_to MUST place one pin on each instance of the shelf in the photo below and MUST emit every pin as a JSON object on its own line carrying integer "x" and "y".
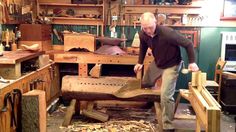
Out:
{"x": 76, "y": 21}
{"x": 71, "y": 5}
{"x": 165, "y": 6}
{"x": 166, "y": 9}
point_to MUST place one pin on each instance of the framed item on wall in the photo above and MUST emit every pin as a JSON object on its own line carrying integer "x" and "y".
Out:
{"x": 229, "y": 10}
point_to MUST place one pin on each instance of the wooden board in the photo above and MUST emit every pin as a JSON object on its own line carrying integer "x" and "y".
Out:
{"x": 73, "y": 57}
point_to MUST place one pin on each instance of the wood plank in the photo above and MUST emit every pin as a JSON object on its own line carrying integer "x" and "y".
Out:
{"x": 200, "y": 113}
{"x": 210, "y": 99}
{"x": 72, "y": 57}
{"x": 96, "y": 115}
{"x": 201, "y": 101}
{"x": 213, "y": 116}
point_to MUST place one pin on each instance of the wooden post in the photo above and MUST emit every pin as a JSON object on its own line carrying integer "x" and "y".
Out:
{"x": 83, "y": 69}
{"x": 34, "y": 111}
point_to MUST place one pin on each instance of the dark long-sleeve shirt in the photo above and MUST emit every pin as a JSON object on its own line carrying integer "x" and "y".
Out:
{"x": 165, "y": 47}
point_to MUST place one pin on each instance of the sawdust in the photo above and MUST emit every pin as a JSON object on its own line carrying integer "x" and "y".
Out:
{"x": 120, "y": 120}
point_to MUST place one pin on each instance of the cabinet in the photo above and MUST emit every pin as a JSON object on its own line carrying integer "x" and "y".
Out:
{"x": 228, "y": 92}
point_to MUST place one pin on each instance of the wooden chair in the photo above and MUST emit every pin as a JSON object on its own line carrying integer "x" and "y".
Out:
{"x": 217, "y": 77}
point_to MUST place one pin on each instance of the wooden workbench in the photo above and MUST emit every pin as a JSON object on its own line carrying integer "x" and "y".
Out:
{"x": 10, "y": 62}
{"x": 85, "y": 58}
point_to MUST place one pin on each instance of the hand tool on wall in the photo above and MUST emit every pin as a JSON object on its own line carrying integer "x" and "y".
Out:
{"x": 15, "y": 106}
{"x": 109, "y": 18}
{"x": 5, "y": 101}
{"x": 17, "y": 96}
{"x": 3, "y": 14}
{"x": 11, "y": 9}
{"x": 123, "y": 36}
{"x": 113, "y": 25}
{"x": 109, "y": 13}
{"x": 57, "y": 35}
{"x": 7, "y": 47}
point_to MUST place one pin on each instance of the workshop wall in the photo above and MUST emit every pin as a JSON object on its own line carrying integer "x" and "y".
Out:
{"x": 210, "y": 46}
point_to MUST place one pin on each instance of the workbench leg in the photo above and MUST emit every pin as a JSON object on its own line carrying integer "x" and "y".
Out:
{"x": 69, "y": 113}
{"x": 159, "y": 115}
{"x": 177, "y": 102}
{"x": 198, "y": 125}
{"x": 17, "y": 70}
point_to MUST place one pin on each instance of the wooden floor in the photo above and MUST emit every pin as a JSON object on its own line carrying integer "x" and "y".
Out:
{"x": 130, "y": 120}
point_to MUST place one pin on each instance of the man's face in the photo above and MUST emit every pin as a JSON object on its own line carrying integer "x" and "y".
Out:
{"x": 149, "y": 28}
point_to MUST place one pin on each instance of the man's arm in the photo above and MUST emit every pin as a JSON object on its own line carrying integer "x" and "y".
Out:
{"x": 188, "y": 45}
{"x": 142, "y": 53}
{"x": 142, "y": 49}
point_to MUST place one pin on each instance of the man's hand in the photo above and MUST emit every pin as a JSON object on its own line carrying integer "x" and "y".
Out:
{"x": 193, "y": 67}
{"x": 138, "y": 67}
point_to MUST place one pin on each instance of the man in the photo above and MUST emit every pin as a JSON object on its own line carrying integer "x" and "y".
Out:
{"x": 165, "y": 45}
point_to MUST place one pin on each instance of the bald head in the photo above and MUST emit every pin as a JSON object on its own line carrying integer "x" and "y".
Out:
{"x": 148, "y": 23}
{"x": 147, "y": 17}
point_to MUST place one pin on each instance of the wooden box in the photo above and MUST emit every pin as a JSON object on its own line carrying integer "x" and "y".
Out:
{"x": 35, "y": 32}
{"x": 82, "y": 40}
